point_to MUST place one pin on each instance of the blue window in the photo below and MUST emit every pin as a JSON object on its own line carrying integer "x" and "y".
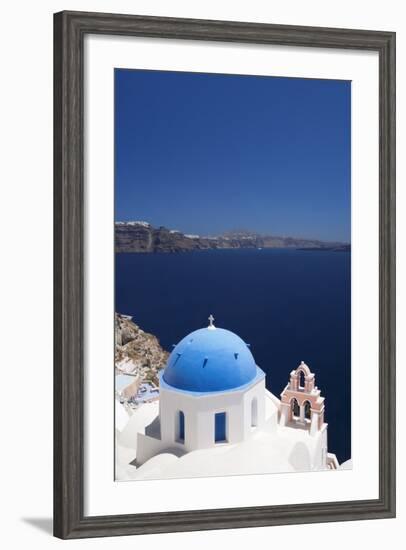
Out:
{"x": 220, "y": 427}
{"x": 181, "y": 426}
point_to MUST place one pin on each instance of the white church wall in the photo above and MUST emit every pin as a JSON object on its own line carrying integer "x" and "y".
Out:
{"x": 272, "y": 407}
{"x": 318, "y": 446}
{"x": 203, "y": 436}
{"x": 199, "y": 418}
{"x": 147, "y": 447}
{"x": 257, "y": 393}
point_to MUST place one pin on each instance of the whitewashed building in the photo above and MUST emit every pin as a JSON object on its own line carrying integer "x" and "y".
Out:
{"x": 213, "y": 400}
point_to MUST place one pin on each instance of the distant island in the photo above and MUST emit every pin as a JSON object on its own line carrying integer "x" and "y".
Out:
{"x": 142, "y": 237}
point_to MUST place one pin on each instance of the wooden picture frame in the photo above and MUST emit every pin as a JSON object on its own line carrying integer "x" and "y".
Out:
{"x": 70, "y": 29}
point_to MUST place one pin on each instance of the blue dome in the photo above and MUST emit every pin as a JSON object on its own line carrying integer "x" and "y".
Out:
{"x": 208, "y": 360}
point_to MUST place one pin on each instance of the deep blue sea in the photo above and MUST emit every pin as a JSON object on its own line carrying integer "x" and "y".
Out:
{"x": 289, "y": 305}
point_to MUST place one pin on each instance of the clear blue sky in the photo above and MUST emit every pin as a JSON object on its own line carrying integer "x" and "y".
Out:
{"x": 207, "y": 153}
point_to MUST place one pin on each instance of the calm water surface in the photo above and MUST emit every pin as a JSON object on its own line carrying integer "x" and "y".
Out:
{"x": 289, "y": 305}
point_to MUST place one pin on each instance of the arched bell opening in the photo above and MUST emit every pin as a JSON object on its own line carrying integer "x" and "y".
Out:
{"x": 307, "y": 410}
{"x": 294, "y": 405}
{"x": 302, "y": 380}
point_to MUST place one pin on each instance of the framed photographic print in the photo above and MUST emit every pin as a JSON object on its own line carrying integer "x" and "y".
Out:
{"x": 224, "y": 274}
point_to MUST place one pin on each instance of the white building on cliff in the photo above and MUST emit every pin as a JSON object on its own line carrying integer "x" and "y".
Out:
{"x": 216, "y": 417}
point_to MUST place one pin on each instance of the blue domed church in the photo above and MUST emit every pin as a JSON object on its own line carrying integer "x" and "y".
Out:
{"x": 212, "y": 393}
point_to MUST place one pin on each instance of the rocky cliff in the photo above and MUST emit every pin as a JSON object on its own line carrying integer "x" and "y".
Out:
{"x": 140, "y": 236}
{"x": 137, "y": 352}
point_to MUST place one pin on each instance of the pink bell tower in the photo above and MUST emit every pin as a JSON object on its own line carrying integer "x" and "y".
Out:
{"x": 301, "y": 402}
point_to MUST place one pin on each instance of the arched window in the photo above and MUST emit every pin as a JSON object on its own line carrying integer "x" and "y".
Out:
{"x": 181, "y": 427}
{"x": 301, "y": 379}
{"x": 254, "y": 412}
{"x": 295, "y": 407}
{"x": 307, "y": 411}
